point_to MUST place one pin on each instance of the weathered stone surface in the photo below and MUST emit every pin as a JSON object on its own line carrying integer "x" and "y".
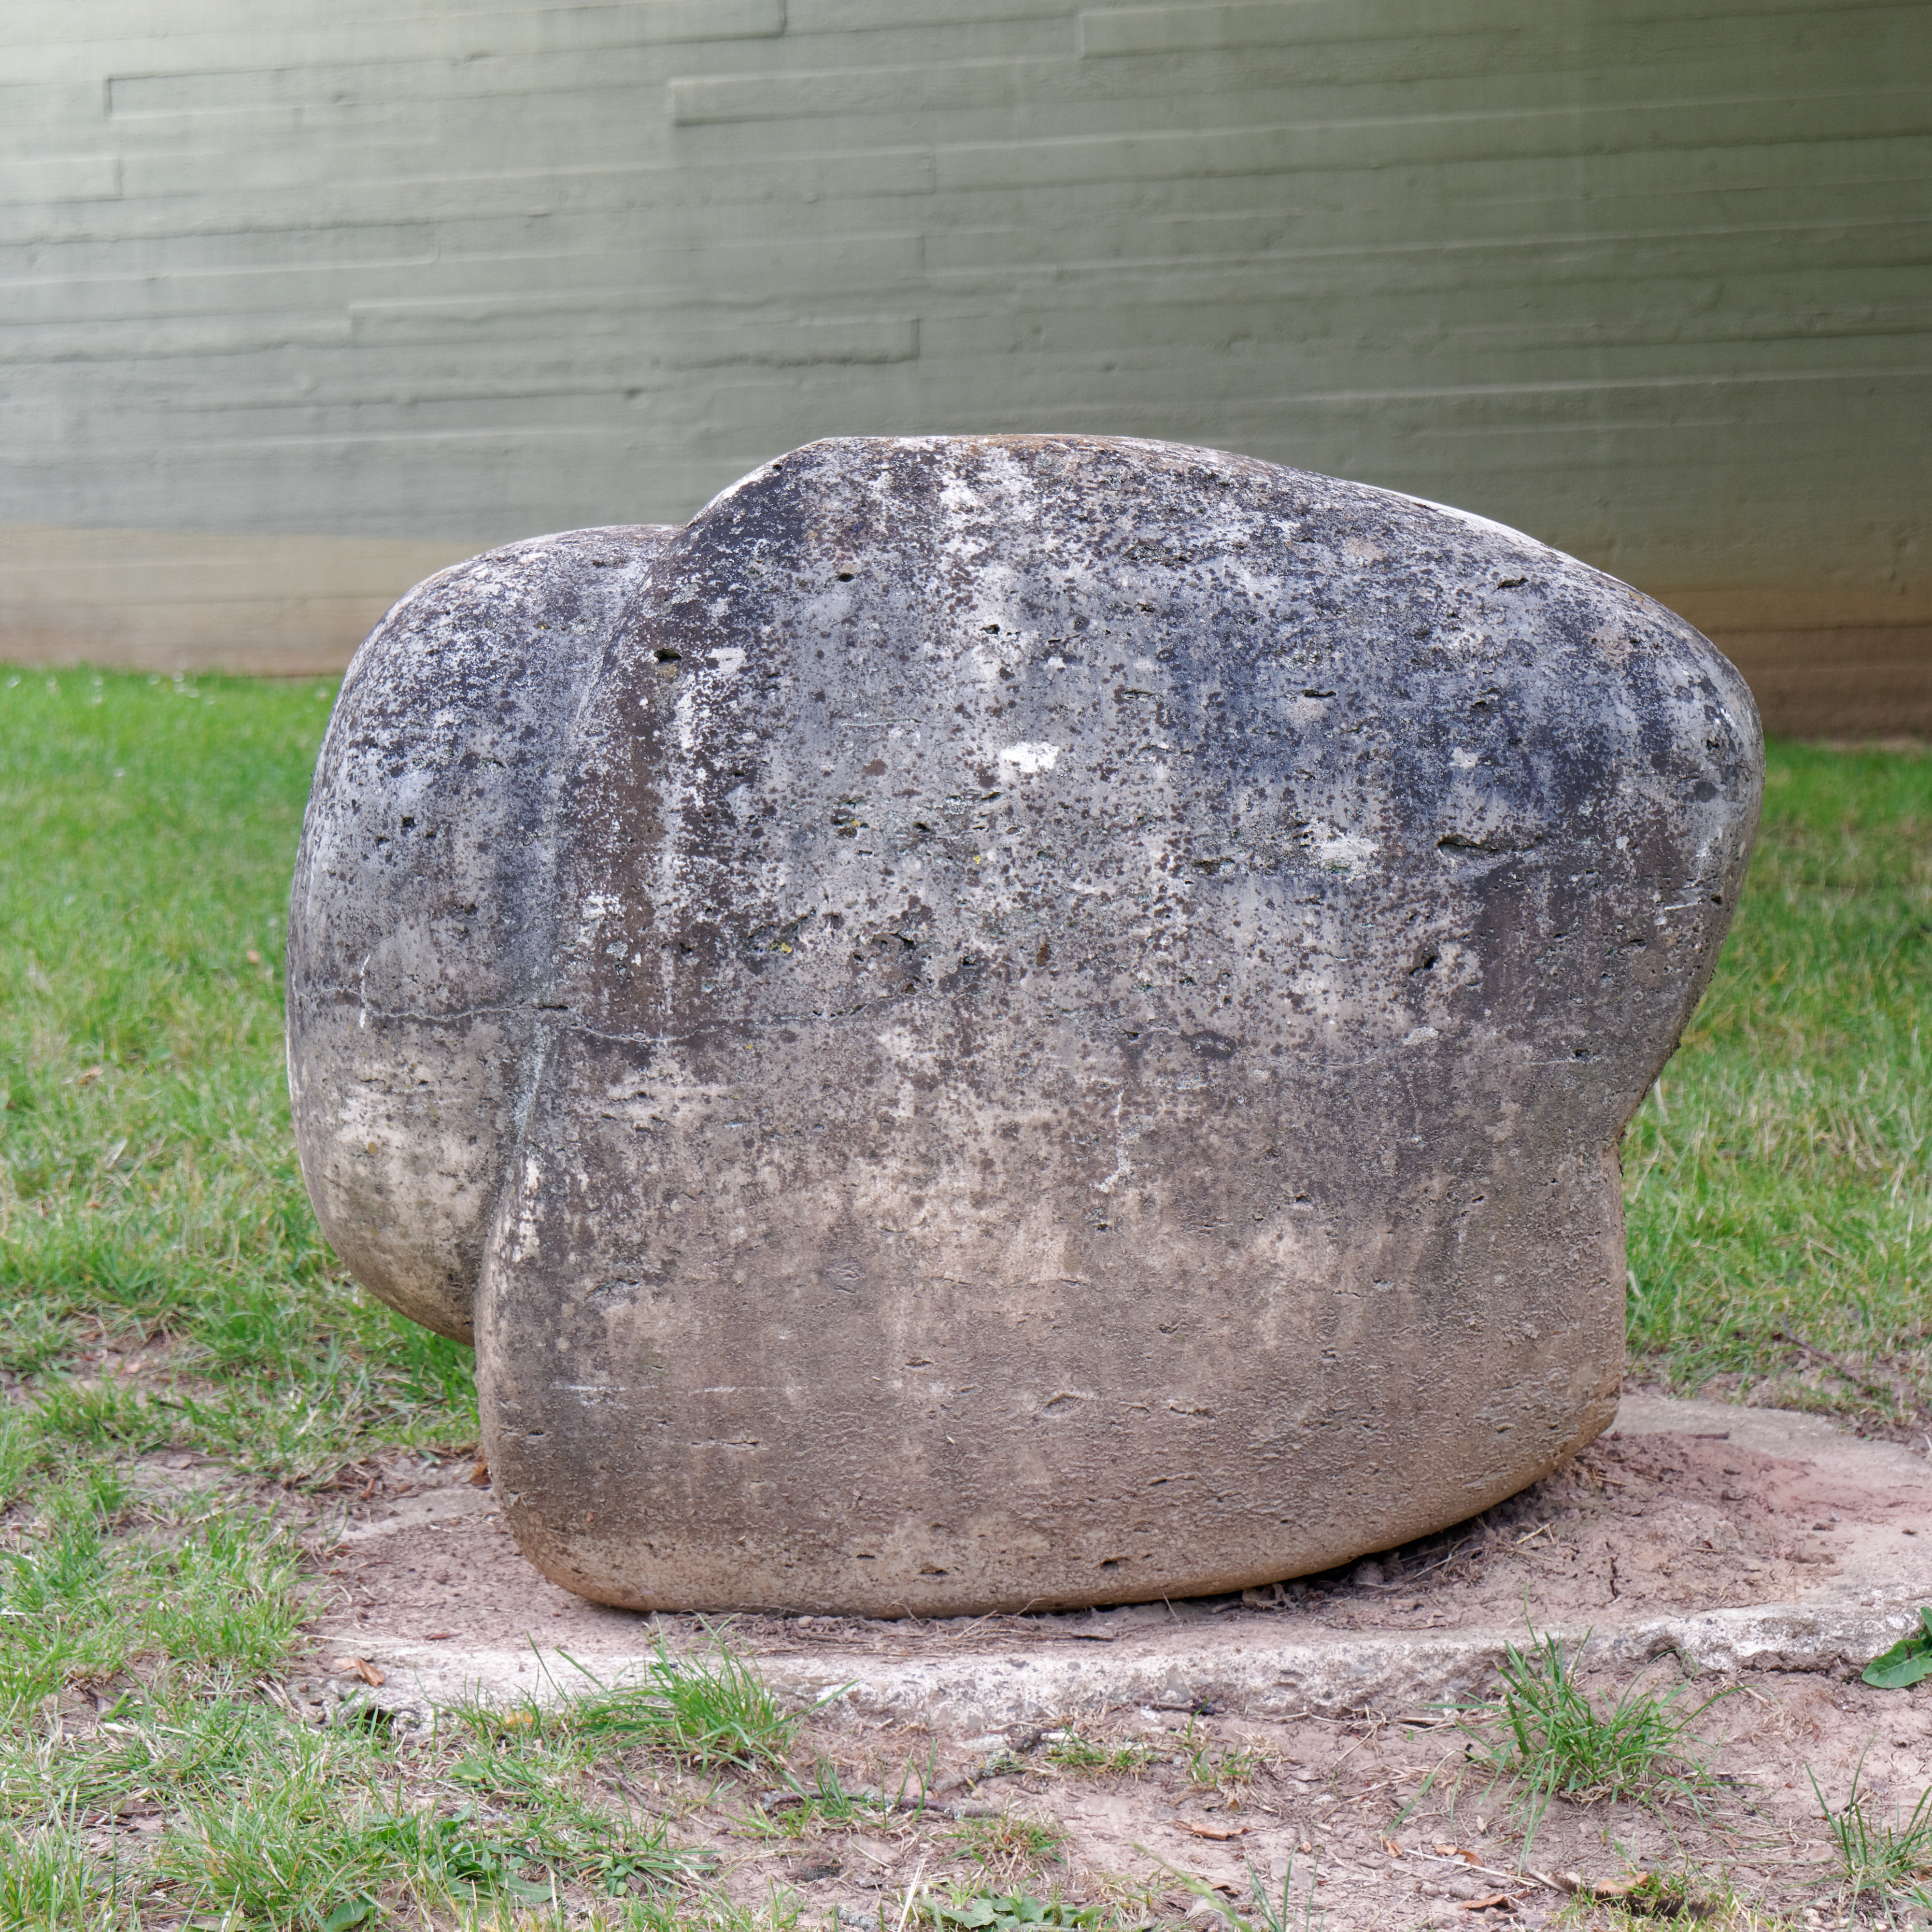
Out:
{"x": 421, "y": 927}
{"x": 1014, "y": 1021}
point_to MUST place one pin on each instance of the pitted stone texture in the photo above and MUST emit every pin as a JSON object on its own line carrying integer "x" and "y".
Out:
{"x": 420, "y": 929}
{"x": 1074, "y": 1004}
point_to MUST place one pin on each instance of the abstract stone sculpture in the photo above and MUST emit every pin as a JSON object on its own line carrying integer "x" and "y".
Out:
{"x": 1008, "y": 1021}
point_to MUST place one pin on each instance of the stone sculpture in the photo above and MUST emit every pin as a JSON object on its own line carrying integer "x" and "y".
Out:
{"x": 1013, "y": 1021}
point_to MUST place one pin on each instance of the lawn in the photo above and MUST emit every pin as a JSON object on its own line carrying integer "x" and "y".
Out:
{"x": 1778, "y": 1178}
{"x": 163, "y": 1287}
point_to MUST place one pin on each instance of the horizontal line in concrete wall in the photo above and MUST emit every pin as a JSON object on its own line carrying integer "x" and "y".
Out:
{"x": 1189, "y": 28}
{"x": 1179, "y": 242}
{"x": 61, "y": 178}
{"x": 381, "y": 296}
{"x": 695, "y": 99}
{"x": 546, "y": 365}
{"x": 251, "y": 46}
{"x": 1807, "y": 649}
{"x": 134, "y": 262}
{"x": 1418, "y": 269}
{"x": 170, "y": 234}
{"x": 1875, "y": 429}
{"x": 566, "y": 122}
{"x": 654, "y": 407}
{"x": 1761, "y": 392}
{"x": 390, "y": 87}
{"x": 1891, "y": 46}
{"x": 642, "y": 384}
{"x": 1492, "y": 189}
{"x": 1862, "y": 433}
{"x": 1497, "y": 63}
{"x": 1576, "y": 475}
{"x": 1778, "y": 318}
{"x": 1672, "y": 97}
{"x": 128, "y": 341}
{"x": 780, "y": 342}
{"x": 1387, "y": 336}
{"x": 322, "y": 96}
{"x": 1740, "y": 420}
{"x": 837, "y": 19}
{"x": 847, "y": 267}
{"x": 1466, "y": 191}
{"x": 1211, "y": 314}
{"x": 1769, "y": 608}
{"x": 108, "y": 23}
{"x": 840, "y": 182}
{"x": 264, "y": 640}
{"x": 1018, "y": 235}
{"x": 320, "y": 194}
{"x": 27, "y": 114}
{"x": 1561, "y": 332}
{"x": 149, "y": 610}
{"x": 513, "y": 491}
{"x": 1016, "y": 238}
{"x": 1834, "y": 701}
{"x": 49, "y": 567}
{"x": 531, "y": 490}
{"x": 207, "y": 292}
{"x": 652, "y": 345}
{"x": 1605, "y": 128}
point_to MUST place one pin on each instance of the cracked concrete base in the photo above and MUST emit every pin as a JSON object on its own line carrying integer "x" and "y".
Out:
{"x": 1733, "y": 1538}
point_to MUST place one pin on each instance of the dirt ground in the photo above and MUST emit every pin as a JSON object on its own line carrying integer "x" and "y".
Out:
{"x": 1381, "y": 1817}
{"x": 1385, "y": 1819}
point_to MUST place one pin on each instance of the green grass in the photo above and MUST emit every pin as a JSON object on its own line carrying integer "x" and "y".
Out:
{"x": 1879, "y": 1858}
{"x": 164, "y": 1287}
{"x": 1779, "y": 1179}
{"x": 1004, "y": 1845}
{"x": 1268, "y": 1912}
{"x": 1544, "y": 1736}
{"x": 1075, "y": 1752}
{"x": 271, "y": 1823}
{"x": 149, "y": 1197}
{"x": 709, "y": 1710}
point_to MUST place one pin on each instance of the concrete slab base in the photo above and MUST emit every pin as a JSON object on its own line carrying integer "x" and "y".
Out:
{"x": 1728, "y": 1538}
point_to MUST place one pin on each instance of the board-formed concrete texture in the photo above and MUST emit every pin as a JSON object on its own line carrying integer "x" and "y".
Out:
{"x": 1645, "y": 278}
{"x": 1009, "y": 1022}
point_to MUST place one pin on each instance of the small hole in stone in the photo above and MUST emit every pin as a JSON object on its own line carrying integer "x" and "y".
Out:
{"x": 667, "y": 655}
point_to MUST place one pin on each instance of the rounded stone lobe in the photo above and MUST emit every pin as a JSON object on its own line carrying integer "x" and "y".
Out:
{"x": 1058, "y": 1020}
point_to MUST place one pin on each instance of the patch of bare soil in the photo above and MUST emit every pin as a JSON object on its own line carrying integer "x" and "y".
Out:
{"x": 1383, "y": 1818}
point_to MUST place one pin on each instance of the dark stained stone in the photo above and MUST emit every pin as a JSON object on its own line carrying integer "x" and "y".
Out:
{"x": 1009, "y": 1021}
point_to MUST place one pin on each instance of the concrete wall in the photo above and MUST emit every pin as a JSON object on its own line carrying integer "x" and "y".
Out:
{"x": 296, "y": 305}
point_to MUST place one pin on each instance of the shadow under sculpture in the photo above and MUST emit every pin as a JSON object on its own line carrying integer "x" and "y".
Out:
{"x": 1006, "y": 1021}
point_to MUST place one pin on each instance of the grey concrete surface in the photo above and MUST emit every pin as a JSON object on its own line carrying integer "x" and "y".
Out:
{"x": 1005, "y": 1022}
{"x": 1646, "y": 279}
